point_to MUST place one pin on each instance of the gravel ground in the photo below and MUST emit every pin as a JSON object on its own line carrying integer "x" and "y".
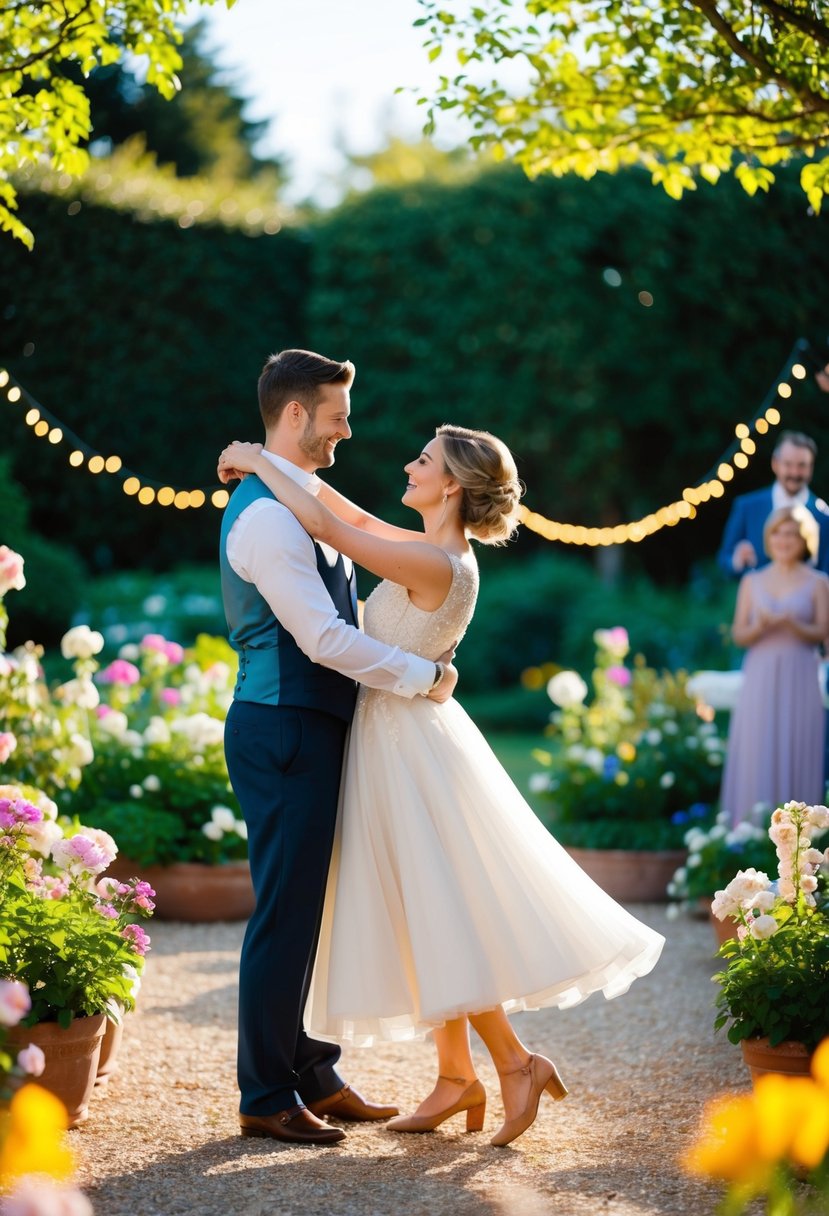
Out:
{"x": 163, "y": 1138}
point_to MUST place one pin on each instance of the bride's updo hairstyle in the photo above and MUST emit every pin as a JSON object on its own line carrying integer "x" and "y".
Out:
{"x": 490, "y": 490}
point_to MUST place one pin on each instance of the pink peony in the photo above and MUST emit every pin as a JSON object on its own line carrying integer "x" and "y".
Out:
{"x": 7, "y": 745}
{"x": 32, "y": 1060}
{"x": 618, "y": 675}
{"x": 120, "y": 672}
{"x": 15, "y": 1002}
{"x": 170, "y": 696}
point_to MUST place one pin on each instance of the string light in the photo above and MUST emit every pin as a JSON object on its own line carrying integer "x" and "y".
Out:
{"x": 44, "y": 425}
{"x": 667, "y": 516}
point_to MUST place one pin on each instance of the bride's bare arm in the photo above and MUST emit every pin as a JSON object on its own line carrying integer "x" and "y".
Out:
{"x": 350, "y": 513}
{"x": 424, "y": 569}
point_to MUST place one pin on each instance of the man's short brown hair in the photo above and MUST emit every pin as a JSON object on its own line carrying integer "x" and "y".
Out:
{"x": 298, "y": 375}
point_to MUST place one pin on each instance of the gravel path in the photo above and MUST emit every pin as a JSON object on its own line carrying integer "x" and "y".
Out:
{"x": 163, "y": 1139}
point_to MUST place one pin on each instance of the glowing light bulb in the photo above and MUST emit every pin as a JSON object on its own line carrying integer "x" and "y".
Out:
{"x": 799, "y": 371}
{"x": 55, "y": 435}
{"x": 741, "y": 430}
{"x": 76, "y": 458}
{"x": 96, "y": 464}
{"x": 131, "y": 486}
{"x": 32, "y": 417}
{"x": 112, "y": 464}
{"x": 772, "y": 416}
{"x": 166, "y": 495}
{"x": 14, "y": 394}
{"x": 42, "y": 427}
{"x": 146, "y": 495}
{"x": 220, "y": 498}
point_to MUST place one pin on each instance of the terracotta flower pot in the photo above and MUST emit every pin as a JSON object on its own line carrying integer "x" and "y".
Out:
{"x": 71, "y": 1059}
{"x": 192, "y": 891}
{"x": 631, "y": 875}
{"x": 790, "y": 1058}
{"x": 724, "y": 930}
{"x": 110, "y": 1047}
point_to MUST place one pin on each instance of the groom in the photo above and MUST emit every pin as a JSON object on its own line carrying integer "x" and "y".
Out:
{"x": 291, "y": 611}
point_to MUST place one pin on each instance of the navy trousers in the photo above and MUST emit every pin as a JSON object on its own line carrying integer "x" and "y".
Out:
{"x": 284, "y": 766}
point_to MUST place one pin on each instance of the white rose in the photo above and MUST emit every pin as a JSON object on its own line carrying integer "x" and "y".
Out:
{"x": 81, "y": 643}
{"x": 81, "y": 692}
{"x": 764, "y": 900}
{"x": 224, "y": 818}
{"x": 157, "y": 732}
{"x": 136, "y": 791}
{"x": 818, "y": 816}
{"x": 694, "y": 860}
{"x": 763, "y": 927}
{"x": 566, "y": 688}
{"x": 80, "y": 752}
{"x": 212, "y": 830}
{"x": 114, "y": 723}
{"x": 152, "y": 783}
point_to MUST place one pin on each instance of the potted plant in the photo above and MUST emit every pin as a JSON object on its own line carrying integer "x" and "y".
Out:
{"x": 714, "y": 856}
{"x": 629, "y": 771}
{"x": 70, "y": 937}
{"x": 774, "y": 988}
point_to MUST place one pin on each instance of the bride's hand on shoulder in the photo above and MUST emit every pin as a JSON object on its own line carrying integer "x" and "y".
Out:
{"x": 237, "y": 460}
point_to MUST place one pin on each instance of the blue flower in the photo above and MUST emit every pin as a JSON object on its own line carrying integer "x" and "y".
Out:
{"x": 680, "y": 817}
{"x": 612, "y": 764}
{"x": 698, "y": 810}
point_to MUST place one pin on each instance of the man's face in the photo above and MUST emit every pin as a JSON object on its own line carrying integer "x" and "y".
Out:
{"x": 792, "y": 467}
{"x": 328, "y": 426}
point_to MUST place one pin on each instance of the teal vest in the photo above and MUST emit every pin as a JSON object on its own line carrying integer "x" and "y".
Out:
{"x": 272, "y": 668}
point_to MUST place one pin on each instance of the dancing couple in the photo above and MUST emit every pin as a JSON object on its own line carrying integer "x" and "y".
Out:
{"x": 434, "y": 899}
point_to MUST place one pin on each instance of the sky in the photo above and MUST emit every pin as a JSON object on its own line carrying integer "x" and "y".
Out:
{"x": 324, "y": 72}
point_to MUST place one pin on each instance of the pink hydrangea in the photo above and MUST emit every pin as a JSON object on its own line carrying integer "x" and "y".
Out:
{"x": 119, "y": 671}
{"x": 170, "y": 696}
{"x": 138, "y": 939}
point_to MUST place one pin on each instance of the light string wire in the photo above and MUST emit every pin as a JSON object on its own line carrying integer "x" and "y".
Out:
{"x": 145, "y": 491}
{"x": 737, "y": 456}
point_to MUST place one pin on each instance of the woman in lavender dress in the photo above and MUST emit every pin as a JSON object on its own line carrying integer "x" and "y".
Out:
{"x": 776, "y": 740}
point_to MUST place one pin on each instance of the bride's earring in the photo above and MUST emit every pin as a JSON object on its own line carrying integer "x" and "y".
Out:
{"x": 445, "y": 498}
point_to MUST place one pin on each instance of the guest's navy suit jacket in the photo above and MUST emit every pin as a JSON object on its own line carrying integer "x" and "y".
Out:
{"x": 749, "y": 513}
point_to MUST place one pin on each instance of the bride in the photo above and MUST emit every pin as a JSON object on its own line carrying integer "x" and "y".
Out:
{"x": 448, "y": 902}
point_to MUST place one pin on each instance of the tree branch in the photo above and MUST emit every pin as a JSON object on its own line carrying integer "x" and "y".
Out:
{"x": 806, "y": 24}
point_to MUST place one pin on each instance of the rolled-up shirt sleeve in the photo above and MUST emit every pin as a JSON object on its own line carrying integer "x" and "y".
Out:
{"x": 268, "y": 547}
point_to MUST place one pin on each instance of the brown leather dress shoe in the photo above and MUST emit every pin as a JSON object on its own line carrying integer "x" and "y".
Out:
{"x": 348, "y": 1105}
{"x": 296, "y": 1125}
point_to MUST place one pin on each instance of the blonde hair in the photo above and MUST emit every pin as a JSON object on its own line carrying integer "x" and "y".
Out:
{"x": 485, "y": 470}
{"x": 806, "y": 525}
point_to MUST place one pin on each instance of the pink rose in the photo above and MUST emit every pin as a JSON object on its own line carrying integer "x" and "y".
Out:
{"x": 32, "y": 1060}
{"x": 619, "y": 676}
{"x": 169, "y": 696}
{"x": 102, "y": 710}
{"x": 120, "y": 672}
{"x": 154, "y": 642}
{"x": 11, "y": 571}
{"x": 174, "y": 652}
{"x": 15, "y": 1002}
{"x": 7, "y": 745}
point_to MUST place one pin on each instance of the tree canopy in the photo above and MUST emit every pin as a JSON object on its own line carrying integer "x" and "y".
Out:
{"x": 44, "y": 108}
{"x": 687, "y": 88}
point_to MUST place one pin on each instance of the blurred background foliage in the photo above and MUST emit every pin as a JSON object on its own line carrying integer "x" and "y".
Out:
{"x": 612, "y": 336}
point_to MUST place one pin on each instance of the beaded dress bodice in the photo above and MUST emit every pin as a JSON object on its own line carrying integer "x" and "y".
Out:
{"x": 391, "y": 617}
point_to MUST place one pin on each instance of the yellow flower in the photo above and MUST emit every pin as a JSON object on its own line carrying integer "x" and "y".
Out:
{"x": 820, "y": 1064}
{"x": 621, "y": 778}
{"x": 726, "y": 1148}
{"x": 792, "y": 1120}
{"x": 626, "y": 751}
{"x": 31, "y": 1136}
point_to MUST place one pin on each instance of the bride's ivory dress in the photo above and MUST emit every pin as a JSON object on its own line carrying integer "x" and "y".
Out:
{"x": 446, "y": 895}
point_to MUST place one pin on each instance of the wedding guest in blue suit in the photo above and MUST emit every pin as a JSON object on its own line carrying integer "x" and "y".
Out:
{"x": 792, "y": 462}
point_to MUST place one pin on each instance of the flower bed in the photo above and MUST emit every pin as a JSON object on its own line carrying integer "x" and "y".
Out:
{"x": 634, "y": 767}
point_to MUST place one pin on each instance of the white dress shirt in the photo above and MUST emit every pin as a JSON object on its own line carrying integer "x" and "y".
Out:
{"x": 267, "y": 546}
{"x": 779, "y": 497}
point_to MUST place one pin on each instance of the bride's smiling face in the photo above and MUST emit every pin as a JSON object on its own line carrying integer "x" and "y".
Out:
{"x": 427, "y": 477}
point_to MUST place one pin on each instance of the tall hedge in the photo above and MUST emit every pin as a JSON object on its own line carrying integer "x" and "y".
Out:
{"x": 490, "y": 303}
{"x": 147, "y": 340}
